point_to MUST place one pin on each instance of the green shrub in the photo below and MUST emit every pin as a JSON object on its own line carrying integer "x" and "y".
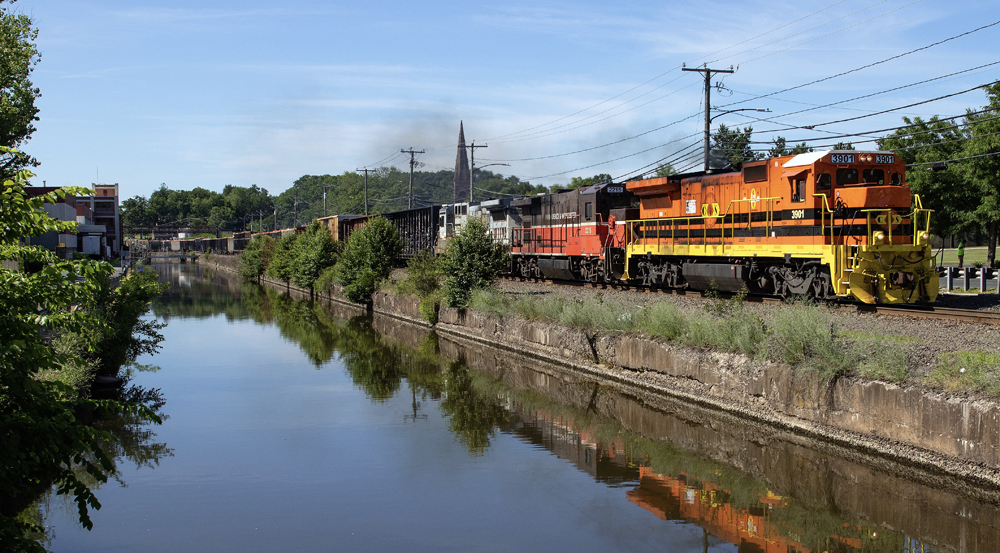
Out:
{"x": 368, "y": 259}
{"x": 256, "y": 257}
{"x": 471, "y": 262}
{"x": 489, "y": 300}
{"x": 422, "y": 281}
{"x": 314, "y": 252}
{"x": 282, "y": 265}
{"x": 663, "y": 320}
{"x": 881, "y": 360}
{"x": 804, "y": 337}
{"x": 326, "y": 281}
{"x": 968, "y": 370}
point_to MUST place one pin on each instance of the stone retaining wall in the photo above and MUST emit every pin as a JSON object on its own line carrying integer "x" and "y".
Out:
{"x": 914, "y": 425}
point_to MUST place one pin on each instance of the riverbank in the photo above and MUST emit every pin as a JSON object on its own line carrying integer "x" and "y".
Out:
{"x": 935, "y": 432}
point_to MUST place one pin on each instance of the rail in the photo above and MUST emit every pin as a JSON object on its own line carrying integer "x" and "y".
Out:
{"x": 639, "y": 229}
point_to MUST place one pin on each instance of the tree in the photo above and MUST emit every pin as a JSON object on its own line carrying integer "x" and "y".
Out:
{"x": 665, "y": 170}
{"x": 368, "y": 259}
{"x": 580, "y": 182}
{"x": 136, "y": 212}
{"x": 471, "y": 261}
{"x": 42, "y": 441}
{"x": 257, "y": 256}
{"x": 843, "y": 146}
{"x": 779, "y": 148}
{"x": 923, "y": 143}
{"x": 282, "y": 265}
{"x": 17, "y": 93}
{"x": 733, "y": 145}
{"x": 315, "y": 251}
{"x": 982, "y": 169}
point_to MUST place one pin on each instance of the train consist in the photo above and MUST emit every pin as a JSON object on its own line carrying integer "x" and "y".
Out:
{"x": 823, "y": 224}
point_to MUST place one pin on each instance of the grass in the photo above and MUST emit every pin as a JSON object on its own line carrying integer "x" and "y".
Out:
{"x": 968, "y": 370}
{"x": 802, "y": 335}
{"x": 972, "y": 256}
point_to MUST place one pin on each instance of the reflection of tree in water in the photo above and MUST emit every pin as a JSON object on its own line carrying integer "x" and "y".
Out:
{"x": 473, "y": 416}
{"x": 373, "y": 366}
{"x": 134, "y": 441}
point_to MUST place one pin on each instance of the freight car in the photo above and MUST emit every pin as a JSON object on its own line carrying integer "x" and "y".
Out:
{"x": 418, "y": 228}
{"x": 830, "y": 223}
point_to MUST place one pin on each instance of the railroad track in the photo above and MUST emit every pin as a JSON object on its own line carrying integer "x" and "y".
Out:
{"x": 915, "y": 311}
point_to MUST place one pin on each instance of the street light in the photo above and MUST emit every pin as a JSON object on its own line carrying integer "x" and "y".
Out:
{"x": 708, "y": 126}
{"x": 472, "y": 176}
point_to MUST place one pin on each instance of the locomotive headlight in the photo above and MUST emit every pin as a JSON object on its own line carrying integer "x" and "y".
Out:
{"x": 923, "y": 238}
{"x": 878, "y": 238}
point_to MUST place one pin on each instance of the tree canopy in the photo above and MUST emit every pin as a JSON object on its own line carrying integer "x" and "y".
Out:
{"x": 18, "y": 112}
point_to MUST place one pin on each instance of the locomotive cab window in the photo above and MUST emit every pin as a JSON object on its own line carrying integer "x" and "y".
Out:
{"x": 896, "y": 179}
{"x": 823, "y": 182}
{"x": 873, "y": 176}
{"x": 798, "y": 190}
{"x": 847, "y": 176}
{"x": 588, "y": 210}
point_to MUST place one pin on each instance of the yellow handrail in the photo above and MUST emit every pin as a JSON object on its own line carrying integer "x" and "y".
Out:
{"x": 660, "y": 223}
{"x": 822, "y": 221}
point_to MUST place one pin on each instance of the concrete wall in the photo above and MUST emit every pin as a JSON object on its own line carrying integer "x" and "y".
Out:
{"x": 954, "y": 435}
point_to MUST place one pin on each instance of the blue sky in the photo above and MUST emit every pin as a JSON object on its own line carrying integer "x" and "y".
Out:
{"x": 214, "y": 93}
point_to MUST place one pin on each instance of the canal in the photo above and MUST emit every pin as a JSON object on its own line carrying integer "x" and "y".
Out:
{"x": 293, "y": 426}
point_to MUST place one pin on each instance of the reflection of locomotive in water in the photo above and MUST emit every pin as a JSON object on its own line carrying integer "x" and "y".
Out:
{"x": 823, "y": 224}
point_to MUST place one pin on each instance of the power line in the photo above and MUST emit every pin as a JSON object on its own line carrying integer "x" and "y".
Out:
{"x": 497, "y": 138}
{"x": 873, "y": 64}
{"x": 810, "y": 127}
{"x": 952, "y": 160}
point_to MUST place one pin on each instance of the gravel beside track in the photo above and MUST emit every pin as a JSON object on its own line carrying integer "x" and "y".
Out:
{"x": 924, "y": 339}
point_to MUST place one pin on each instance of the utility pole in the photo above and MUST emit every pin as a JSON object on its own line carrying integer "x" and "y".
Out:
{"x": 413, "y": 163}
{"x": 366, "y": 187}
{"x": 708, "y": 104}
{"x": 472, "y": 166}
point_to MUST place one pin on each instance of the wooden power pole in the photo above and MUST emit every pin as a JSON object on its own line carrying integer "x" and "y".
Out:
{"x": 708, "y": 104}
{"x": 366, "y": 187}
{"x": 413, "y": 163}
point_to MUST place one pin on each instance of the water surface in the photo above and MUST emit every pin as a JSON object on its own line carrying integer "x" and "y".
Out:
{"x": 295, "y": 427}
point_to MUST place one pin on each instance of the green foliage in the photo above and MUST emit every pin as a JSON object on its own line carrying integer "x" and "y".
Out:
{"x": 423, "y": 280}
{"x": 804, "y": 336}
{"x": 780, "y": 149}
{"x": 943, "y": 191}
{"x": 326, "y": 281}
{"x": 41, "y": 440}
{"x": 282, "y": 265}
{"x": 314, "y": 251}
{"x": 665, "y": 170}
{"x": 968, "y": 370}
{"x": 734, "y": 145}
{"x": 17, "y": 93}
{"x": 581, "y": 182}
{"x": 123, "y": 336}
{"x": 471, "y": 261}
{"x": 663, "y": 320}
{"x": 256, "y": 257}
{"x": 368, "y": 259}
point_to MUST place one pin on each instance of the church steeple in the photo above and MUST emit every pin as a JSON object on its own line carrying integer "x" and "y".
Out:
{"x": 461, "y": 168}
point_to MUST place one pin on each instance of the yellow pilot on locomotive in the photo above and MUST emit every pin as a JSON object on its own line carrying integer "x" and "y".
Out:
{"x": 824, "y": 224}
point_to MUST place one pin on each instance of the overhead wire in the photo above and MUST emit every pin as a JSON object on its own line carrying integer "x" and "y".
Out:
{"x": 873, "y": 64}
